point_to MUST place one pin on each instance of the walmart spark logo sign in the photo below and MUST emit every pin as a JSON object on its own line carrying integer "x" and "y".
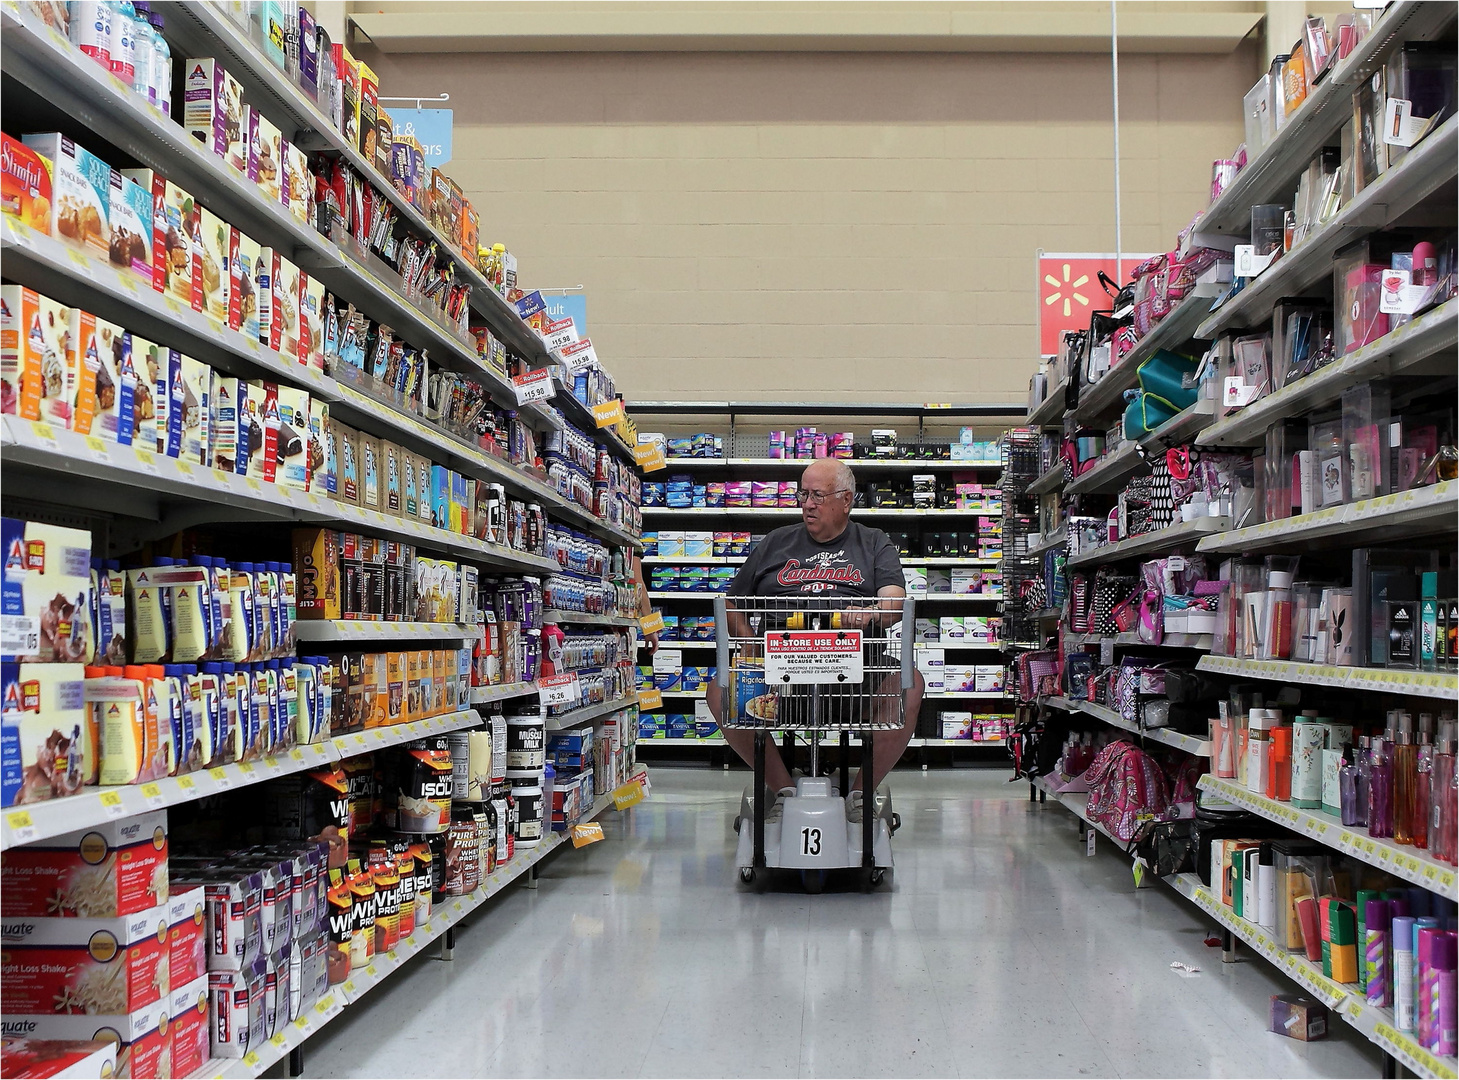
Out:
{"x": 1069, "y": 290}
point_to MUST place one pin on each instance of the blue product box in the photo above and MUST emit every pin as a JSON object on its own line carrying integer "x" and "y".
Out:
{"x": 650, "y": 538}
{"x": 170, "y": 390}
{"x": 681, "y": 446}
{"x": 666, "y": 680}
{"x": 653, "y": 495}
{"x": 706, "y": 729}
{"x": 694, "y": 578}
{"x": 440, "y": 496}
{"x": 645, "y": 676}
{"x": 664, "y": 579}
{"x": 670, "y": 632}
{"x": 679, "y": 725}
{"x": 692, "y": 678}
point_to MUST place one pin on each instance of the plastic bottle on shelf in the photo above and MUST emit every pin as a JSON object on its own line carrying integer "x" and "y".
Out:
{"x": 161, "y": 81}
{"x": 123, "y": 49}
{"x": 1380, "y": 790}
{"x": 1444, "y": 796}
{"x": 1423, "y": 788}
{"x": 1349, "y": 778}
{"x": 143, "y": 79}
{"x": 1405, "y": 780}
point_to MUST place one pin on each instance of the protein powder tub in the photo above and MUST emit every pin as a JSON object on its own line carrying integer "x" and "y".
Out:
{"x": 526, "y": 742}
{"x": 529, "y": 816}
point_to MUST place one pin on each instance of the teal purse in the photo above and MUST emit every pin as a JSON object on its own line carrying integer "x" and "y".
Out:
{"x": 1146, "y": 413}
{"x": 1161, "y": 375}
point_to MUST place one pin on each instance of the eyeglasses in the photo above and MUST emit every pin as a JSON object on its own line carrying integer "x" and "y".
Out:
{"x": 810, "y": 498}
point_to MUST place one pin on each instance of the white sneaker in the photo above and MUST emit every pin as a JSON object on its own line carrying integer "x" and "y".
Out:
{"x": 776, "y": 810}
{"x": 853, "y": 806}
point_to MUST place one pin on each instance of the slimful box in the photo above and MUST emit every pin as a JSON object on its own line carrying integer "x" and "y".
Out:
{"x": 80, "y": 212}
{"x": 26, "y": 191}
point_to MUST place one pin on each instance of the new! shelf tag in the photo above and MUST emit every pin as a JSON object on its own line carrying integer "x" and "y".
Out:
{"x": 651, "y": 623}
{"x": 649, "y": 457}
{"x": 533, "y": 386}
{"x": 648, "y": 700}
{"x": 588, "y": 833}
{"x": 608, "y": 413}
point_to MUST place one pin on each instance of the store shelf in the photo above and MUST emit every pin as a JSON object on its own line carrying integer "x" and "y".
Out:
{"x": 451, "y": 912}
{"x": 949, "y": 695}
{"x": 1110, "y": 472}
{"x": 684, "y": 693}
{"x": 1402, "y": 860}
{"x": 1271, "y": 175}
{"x": 1106, "y": 397}
{"x": 1168, "y": 539}
{"x": 690, "y": 560}
{"x": 1050, "y": 411}
{"x": 1344, "y": 999}
{"x": 584, "y": 618}
{"x": 97, "y": 467}
{"x": 794, "y": 512}
{"x": 1431, "y": 684}
{"x": 1077, "y": 803}
{"x": 1420, "y": 173}
{"x": 1132, "y": 639}
{"x": 1049, "y": 541}
{"x": 581, "y": 416}
{"x": 94, "y": 806}
{"x": 1404, "y": 350}
{"x": 943, "y": 598}
{"x": 1189, "y": 743}
{"x": 952, "y": 560}
{"x": 1048, "y": 482}
{"x": 1044, "y": 614}
{"x": 329, "y": 630}
{"x": 44, "y": 263}
{"x": 663, "y": 644}
{"x": 589, "y": 712}
{"x": 485, "y": 695}
{"x": 857, "y": 464}
{"x": 916, "y": 742}
{"x": 1427, "y": 511}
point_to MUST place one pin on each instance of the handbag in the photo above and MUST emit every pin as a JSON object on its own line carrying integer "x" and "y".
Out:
{"x": 1145, "y": 413}
{"x": 1167, "y": 847}
{"x": 1162, "y": 375}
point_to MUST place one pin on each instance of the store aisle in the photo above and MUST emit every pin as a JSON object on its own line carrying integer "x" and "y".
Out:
{"x": 1000, "y": 951}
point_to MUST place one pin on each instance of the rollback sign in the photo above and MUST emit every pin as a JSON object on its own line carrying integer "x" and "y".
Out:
{"x": 805, "y": 657}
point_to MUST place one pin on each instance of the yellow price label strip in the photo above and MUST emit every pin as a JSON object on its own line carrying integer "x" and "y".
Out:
{"x": 152, "y": 794}
{"x": 220, "y": 776}
{"x": 112, "y": 805}
{"x": 186, "y": 783}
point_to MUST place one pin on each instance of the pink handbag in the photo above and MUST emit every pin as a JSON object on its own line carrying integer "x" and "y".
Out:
{"x": 1126, "y": 787}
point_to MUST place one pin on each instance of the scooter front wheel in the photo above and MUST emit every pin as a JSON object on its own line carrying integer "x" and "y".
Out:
{"x": 747, "y": 875}
{"x": 813, "y": 881}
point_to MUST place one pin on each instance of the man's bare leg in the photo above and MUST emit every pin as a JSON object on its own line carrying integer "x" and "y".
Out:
{"x": 888, "y": 746}
{"x": 742, "y": 742}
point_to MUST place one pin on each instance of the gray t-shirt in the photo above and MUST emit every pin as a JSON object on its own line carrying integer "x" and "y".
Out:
{"x": 788, "y": 562}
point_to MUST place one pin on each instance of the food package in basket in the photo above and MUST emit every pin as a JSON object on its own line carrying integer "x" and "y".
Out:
{"x": 756, "y": 705}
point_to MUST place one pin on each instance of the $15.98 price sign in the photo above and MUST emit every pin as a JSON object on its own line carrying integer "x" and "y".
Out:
{"x": 804, "y": 657}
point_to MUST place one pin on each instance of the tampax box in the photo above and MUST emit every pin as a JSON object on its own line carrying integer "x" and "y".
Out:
{"x": 81, "y": 193}
{"x": 26, "y": 191}
{"x": 110, "y": 869}
{"x": 45, "y": 593}
{"x": 131, "y": 227}
{"x": 212, "y": 110}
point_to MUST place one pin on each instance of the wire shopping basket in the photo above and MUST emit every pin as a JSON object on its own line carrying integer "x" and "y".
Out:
{"x": 814, "y": 663}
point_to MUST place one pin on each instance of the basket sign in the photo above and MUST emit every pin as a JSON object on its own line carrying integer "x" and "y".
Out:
{"x": 804, "y": 657}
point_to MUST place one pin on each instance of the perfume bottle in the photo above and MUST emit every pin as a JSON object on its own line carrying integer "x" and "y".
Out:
{"x": 1365, "y": 774}
{"x": 1405, "y": 780}
{"x": 1380, "y": 790}
{"x": 1443, "y": 796}
{"x": 1423, "y": 791}
{"x": 1348, "y": 779}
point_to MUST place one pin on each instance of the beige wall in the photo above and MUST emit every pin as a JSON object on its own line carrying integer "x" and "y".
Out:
{"x": 823, "y": 226}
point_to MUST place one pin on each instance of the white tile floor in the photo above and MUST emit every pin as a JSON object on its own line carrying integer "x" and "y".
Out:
{"x": 999, "y": 950}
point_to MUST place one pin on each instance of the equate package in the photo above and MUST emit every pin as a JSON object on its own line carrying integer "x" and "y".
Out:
{"x": 25, "y": 184}
{"x": 109, "y": 869}
{"x": 79, "y": 1057}
{"x": 46, "y": 743}
{"x": 104, "y": 967}
{"x": 81, "y": 187}
{"x": 131, "y": 227}
{"x": 45, "y": 593}
{"x": 141, "y": 1041}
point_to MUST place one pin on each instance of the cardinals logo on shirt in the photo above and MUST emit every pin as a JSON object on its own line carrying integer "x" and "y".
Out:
{"x": 823, "y": 572}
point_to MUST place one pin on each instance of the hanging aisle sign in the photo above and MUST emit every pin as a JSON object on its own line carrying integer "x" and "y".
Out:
{"x": 429, "y": 127}
{"x": 1069, "y": 290}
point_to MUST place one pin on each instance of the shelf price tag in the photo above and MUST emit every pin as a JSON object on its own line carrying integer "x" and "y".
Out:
{"x": 559, "y": 690}
{"x": 608, "y": 413}
{"x": 220, "y": 777}
{"x": 533, "y": 386}
{"x": 44, "y": 434}
{"x": 98, "y": 449}
{"x": 21, "y": 827}
{"x": 152, "y": 795}
{"x": 111, "y": 804}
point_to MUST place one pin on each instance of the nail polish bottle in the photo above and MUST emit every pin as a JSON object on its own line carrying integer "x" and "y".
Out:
{"x": 1380, "y": 791}
{"x": 1405, "y": 780}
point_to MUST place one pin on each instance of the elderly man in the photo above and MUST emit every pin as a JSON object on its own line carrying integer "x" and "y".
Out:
{"x": 826, "y": 555}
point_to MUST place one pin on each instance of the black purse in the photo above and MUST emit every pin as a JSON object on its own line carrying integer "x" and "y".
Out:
{"x": 1167, "y": 847}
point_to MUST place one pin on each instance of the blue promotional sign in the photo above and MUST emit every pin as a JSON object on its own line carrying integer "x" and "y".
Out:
{"x": 529, "y": 305}
{"x": 573, "y": 306}
{"x": 429, "y": 127}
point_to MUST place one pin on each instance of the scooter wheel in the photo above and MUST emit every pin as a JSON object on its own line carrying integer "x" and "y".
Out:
{"x": 813, "y": 881}
{"x": 747, "y": 875}
{"x": 877, "y": 876}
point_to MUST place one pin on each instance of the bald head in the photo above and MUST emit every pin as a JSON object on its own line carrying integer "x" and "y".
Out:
{"x": 827, "y": 487}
